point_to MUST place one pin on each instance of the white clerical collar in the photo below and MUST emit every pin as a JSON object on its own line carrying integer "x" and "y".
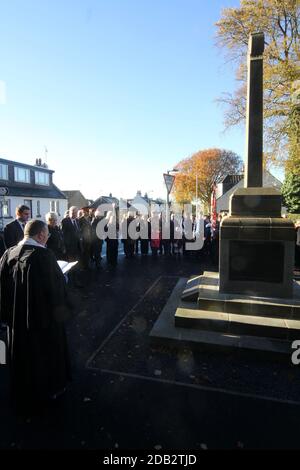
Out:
{"x": 30, "y": 241}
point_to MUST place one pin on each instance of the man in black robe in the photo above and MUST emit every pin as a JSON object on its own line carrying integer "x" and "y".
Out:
{"x": 34, "y": 305}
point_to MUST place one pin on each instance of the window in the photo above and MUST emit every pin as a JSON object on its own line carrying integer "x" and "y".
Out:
{"x": 5, "y": 208}
{"x": 3, "y": 172}
{"x": 52, "y": 206}
{"x": 28, "y": 203}
{"x": 42, "y": 178}
{"x": 57, "y": 207}
{"x": 38, "y": 208}
{"x": 22, "y": 175}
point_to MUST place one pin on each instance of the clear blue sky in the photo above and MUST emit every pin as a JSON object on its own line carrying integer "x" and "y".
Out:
{"x": 118, "y": 90}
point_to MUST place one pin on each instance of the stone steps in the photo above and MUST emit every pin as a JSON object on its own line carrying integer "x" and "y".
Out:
{"x": 204, "y": 290}
{"x": 165, "y": 333}
{"x": 248, "y": 307}
{"x": 187, "y": 316}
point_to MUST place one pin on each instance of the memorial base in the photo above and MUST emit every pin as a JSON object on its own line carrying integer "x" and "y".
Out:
{"x": 197, "y": 315}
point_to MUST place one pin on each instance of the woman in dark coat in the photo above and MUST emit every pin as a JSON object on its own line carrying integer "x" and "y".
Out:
{"x": 55, "y": 241}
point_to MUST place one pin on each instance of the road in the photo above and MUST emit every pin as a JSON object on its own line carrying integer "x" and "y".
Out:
{"x": 127, "y": 395}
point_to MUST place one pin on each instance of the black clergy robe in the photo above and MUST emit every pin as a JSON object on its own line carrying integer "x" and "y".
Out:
{"x": 34, "y": 305}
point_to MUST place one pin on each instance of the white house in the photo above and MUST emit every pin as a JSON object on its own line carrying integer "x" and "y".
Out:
{"x": 231, "y": 182}
{"x": 145, "y": 205}
{"x": 31, "y": 185}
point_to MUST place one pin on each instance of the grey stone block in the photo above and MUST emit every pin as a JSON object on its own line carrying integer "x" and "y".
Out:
{"x": 258, "y": 326}
{"x": 165, "y": 333}
{"x": 204, "y": 320}
{"x": 211, "y": 299}
{"x": 255, "y": 202}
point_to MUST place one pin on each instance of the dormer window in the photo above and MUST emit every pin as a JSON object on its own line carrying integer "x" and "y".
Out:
{"x": 3, "y": 172}
{"x": 41, "y": 178}
{"x": 22, "y": 175}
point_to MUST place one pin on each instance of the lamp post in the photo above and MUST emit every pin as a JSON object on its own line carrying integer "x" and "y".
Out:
{"x": 169, "y": 180}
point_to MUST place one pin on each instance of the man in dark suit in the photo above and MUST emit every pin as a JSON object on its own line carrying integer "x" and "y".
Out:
{"x": 72, "y": 235}
{"x": 86, "y": 235}
{"x": 73, "y": 244}
{"x": 14, "y": 231}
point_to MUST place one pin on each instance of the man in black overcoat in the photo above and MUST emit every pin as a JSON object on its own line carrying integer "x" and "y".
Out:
{"x": 72, "y": 235}
{"x": 34, "y": 305}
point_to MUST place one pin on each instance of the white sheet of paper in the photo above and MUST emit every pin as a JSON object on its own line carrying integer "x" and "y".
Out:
{"x": 65, "y": 266}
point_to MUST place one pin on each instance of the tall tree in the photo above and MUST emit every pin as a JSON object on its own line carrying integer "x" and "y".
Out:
{"x": 293, "y": 162}
{"x": 205, "y": 167}
{"x": 279, "y": 20}
{"x": 291, "y": 192}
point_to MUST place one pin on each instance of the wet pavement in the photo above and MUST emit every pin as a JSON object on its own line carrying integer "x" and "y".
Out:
{"x": 126, "y": 394}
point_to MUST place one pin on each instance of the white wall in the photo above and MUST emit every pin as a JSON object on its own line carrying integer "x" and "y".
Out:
{"x": 219, "y": 190}
{"x": 223, "y": 201}
{"x": 268, "y": 181}
{"x": 44, "y": 207}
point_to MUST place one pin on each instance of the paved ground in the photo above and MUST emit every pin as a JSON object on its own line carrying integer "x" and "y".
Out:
{"x": 127, "y": 395}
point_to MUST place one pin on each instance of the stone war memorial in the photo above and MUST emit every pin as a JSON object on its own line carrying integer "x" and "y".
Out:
{"x": 253, "y": 302}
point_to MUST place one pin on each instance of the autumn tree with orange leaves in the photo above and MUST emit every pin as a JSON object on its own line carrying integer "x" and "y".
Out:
{"x": 280, "y": 22}
{"x": 208, "y": 166}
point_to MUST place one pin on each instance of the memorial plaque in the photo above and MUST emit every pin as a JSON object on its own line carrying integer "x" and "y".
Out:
{"x": 256, "y": 261}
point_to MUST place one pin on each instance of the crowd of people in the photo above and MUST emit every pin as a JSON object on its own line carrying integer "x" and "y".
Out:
{"x": 34, "y": 298}
{"x": 77, "y": 237}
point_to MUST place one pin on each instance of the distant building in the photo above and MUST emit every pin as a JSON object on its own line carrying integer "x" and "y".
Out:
{"x": 31, "y": 185}
{"x": 138, "y": 204}
{"x": 231, "y": 182}
{"x": 104, "y": 200}
{"x": 227, "y": 183}
{"x": 143, "y": 204}
{"x": 76, "y": 198}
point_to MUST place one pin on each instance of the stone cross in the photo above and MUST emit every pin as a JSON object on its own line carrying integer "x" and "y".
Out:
{"x": 254, "y": 122}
